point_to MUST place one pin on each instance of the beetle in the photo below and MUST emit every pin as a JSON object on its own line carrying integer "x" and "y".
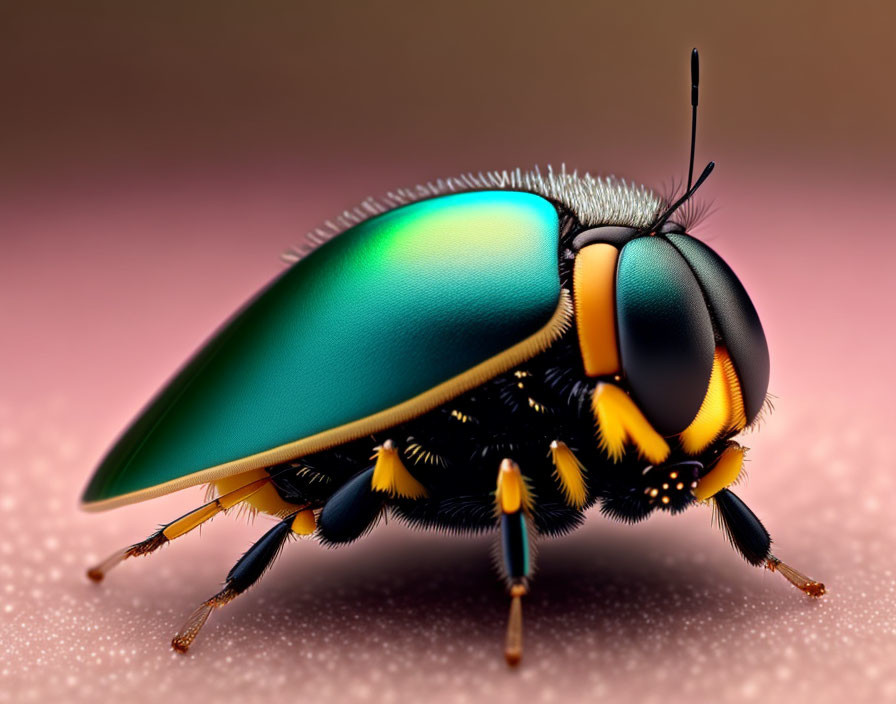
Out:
{"x": 561, "y": 332}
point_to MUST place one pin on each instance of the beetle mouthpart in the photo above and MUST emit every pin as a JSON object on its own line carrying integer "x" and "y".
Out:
{"x": 796, "y": 578}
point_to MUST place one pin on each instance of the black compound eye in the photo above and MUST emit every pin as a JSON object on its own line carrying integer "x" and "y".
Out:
{"x": 668, "y": 228}
{"x": 617, "y": 235}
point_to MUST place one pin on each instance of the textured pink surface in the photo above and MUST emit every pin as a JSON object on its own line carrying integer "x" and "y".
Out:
{"x": 661, "y": 611}
{"x": 156, "y": 164}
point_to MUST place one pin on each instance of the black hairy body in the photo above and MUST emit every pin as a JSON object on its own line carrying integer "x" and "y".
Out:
{"x": 455, "y": 450}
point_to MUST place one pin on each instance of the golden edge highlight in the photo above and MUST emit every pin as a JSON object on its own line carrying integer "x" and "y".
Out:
{"x": 405, "y": 411}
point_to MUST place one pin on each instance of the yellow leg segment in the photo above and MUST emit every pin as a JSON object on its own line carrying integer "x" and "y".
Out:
{"x": 723, "y": 474}
{"x": 392, "y": 477}
{"x": 177, "y": 528}
{"x": 570, "y": 473}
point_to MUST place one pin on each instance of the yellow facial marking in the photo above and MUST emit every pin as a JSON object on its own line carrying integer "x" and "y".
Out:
{"x": 304, "y": 523}
{"x": 513, "y": 492}
{"x": 392, "y": 477}
{"x": 723, "y": 473}
{"x": 722, "y": 408}
{"x": 594, "y": 291}
{"x": 619, "y": 419}
{"x": 570, "y": 473}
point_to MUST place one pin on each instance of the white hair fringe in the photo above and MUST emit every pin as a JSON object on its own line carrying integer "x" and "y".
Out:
{"x": 593, "y": 200}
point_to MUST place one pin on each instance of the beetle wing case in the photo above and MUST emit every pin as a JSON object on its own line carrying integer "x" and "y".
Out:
{"x": 413, "y": 306}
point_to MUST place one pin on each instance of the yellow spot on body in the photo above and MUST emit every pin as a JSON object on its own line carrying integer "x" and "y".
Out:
{"x": 304, "y": 523}
{"x": 619, "y": 419}
{"x": 462, "y": 417}
{"x": 723, "y": 473}
{"x": 654, "y": 493}
{"x": 264, "y": 499}
{"x": 722, "y": 408}
{"x": 570, "y": 473}
{"x": 673, "y": 475}
{"x": 665, "y": 499}
{"x": 392, "y": 477}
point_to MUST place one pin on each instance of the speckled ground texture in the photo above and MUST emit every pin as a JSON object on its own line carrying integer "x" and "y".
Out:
{"x": 662, "y": 611}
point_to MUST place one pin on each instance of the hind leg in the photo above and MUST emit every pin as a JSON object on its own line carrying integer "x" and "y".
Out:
{"x": 244, "y": 574}
{"x": 347, "y": 515}
{"x": 177, "y": 528}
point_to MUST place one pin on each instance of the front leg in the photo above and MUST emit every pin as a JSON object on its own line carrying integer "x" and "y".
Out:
{"x": 743, "y": 529}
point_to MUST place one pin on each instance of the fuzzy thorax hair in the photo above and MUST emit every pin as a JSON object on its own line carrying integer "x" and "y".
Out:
{"x": 593, "y": 200}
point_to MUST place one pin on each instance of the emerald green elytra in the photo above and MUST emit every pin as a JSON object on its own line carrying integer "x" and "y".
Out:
{"x": 385, "y": 311}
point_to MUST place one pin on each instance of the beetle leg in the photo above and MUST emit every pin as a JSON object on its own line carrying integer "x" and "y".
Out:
{"x": 177, "y": 528}
{"x": 570, "y": 474}
{"x": 243, "y": 575}
{"x": 391, "y": 476}
{"x": 746, "y": 532}
{"x": 513, "y": 501}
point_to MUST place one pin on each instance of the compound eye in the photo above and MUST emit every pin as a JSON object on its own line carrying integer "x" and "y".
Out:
{"x": 616, "y": 235}
{"x": 669, "y": 228}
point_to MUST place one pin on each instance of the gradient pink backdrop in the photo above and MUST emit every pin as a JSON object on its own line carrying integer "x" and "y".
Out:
{"x": 157, "y": 160}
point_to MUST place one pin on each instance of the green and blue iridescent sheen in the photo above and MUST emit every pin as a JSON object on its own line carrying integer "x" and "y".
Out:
{"x": 385, "y": 311}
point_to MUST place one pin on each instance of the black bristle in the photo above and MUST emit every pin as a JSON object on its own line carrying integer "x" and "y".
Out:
{"x": 743, "y": 529}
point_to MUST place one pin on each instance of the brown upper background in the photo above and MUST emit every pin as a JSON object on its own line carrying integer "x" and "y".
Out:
{"x": 100, "y": 90}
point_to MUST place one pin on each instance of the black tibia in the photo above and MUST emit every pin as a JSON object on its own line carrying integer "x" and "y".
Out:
{"x": 744, "y": 530}
{"x": 352, "y": 510}
{"x": 515, "y": 546}
{"x": 749, "y": 536}
{"x": 242, "y": 575}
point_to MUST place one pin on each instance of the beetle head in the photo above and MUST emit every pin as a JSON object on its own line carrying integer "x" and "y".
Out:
{"x": 662, "y": 315}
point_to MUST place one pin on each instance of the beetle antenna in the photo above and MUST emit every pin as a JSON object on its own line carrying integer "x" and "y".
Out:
{"x": 695, "y": 81}
{"x": 691, "y": 191}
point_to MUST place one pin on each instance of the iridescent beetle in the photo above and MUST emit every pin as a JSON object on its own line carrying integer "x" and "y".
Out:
{"x": 562, "y": 332}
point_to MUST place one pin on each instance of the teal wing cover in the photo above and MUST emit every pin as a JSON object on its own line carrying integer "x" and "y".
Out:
{"x": 382, "y": 313}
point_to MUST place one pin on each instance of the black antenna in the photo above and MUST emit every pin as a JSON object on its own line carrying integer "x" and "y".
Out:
{"x": 695, "y": 81}
{"x": 677, "y": 204}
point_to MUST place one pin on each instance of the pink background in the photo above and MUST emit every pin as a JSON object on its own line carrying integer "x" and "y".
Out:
{"x": 157, "y": 161}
